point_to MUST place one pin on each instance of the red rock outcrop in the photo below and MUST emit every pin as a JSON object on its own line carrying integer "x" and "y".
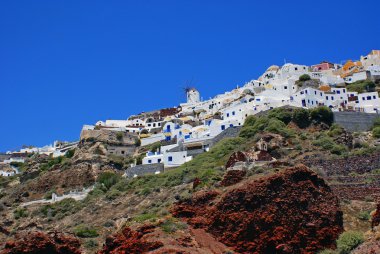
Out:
{"x": 232, "y": 177}
{"x": 376, "y": 217}
{"x": 130, "y": 241}
{"x": 42, "y": 243}
{"x": 293, "y": 211}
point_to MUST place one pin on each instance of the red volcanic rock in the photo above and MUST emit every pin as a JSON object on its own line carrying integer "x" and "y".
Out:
{"x": 130, "y": 241}
{"x": 232, "y": 177}
{"x": 196, "y": 183}
{"x": 42, "y": 243}
{"x": 376, "y": 217}
{"x": 293, "y": 211}
{"x": 236, "y": 157}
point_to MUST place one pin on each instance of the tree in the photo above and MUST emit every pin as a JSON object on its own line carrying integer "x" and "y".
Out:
{"x": 322, "y": 115}
{"x": 304, "y": 77}
{"x": 301, "y": 117}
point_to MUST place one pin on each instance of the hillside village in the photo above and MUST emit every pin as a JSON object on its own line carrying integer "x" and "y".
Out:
{"x": 194, "y": 126}
{"x": 294, "y": 154}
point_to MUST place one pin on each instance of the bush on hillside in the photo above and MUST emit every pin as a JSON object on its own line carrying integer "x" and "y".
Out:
{"x": 376, "y": 132}
{"x": 304, "y": 77}
{"x": 301, "y": 117}
{"x": 119, "y": 136}
{"x": 85, "y": 231}
{"x": 250, "y": 121}
{"x": 70, "y": 153}
{"x": 281, "y": 114}
{"x": 348, "y": 241}
{"x": 362, "y": 86}
{"x": 322, "y": 115}
{"x": 335, "y": 130}
{"x": 325, "y": 142}
{"x": 253, "y": 125}
{"x": 276, "y": 126}
{"x": 376, "y": 123}
{"x": 108, "y": 179}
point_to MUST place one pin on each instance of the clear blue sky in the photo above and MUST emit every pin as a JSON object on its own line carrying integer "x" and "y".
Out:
{"x": 68, "y": 63}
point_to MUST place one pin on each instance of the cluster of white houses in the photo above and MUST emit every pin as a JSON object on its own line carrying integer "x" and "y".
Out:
{"x": 11, "y": 158}
{"x": 189, "y": 129}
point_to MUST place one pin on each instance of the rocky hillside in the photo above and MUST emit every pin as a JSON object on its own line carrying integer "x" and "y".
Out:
{"x": 236, "y": 198}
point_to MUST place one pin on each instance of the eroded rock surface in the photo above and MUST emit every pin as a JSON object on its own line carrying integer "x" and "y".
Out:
{"x": 293, "y": 211}
{"x": 42, "y": 243}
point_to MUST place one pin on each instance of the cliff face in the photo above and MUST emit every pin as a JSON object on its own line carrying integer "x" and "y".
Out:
{"x": 289, "y": 212}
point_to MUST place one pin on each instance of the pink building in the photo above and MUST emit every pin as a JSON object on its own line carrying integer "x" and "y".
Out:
{"x": 323, "y": 66}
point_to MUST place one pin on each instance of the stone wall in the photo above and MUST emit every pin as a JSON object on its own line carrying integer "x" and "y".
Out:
{"x": 140, "y": 170}
{"x": 355, "y": 121}
{"x": 359, "y": 164}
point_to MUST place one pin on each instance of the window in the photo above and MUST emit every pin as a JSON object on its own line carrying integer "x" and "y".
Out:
{"x": 122, "y": 152}
{"x": 170, "y": 158}
{"x": 344, "y": 90}
{"x": 149, "y": 161}
{"x": 159, "y": 160}
{"x": 228, "y": 114}
{"x": 327, "y": 98}
{"x": 231, "y": 125}
{"x": 368, "y": 98}
{"x": 296, "y": 69}
{"x": 315, "y": 92}
{"x": 363, "y": 98}
{"x": 374, "y": 97}
{"x": 337, "y": 91}
{"x": 332, "y": 97}
{"x": 285, "y": 87}
{"x": 305, "y": 91}
{"x": 233, "y": 113}
{"x": 320, "y": 94}
{"x": 223, "y": 127}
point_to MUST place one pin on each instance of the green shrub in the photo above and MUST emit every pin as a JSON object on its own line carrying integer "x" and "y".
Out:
{"x": 376, "y": 132}
{"x": 48, "y": 195}
{"x": 325, "y": 142}
{"x": 171, "y": 225}
{"x": 113, "y": 194}
{"x": 348, "y": 241}
{"x": 304, "y": 77}
{"x": 364, "y": 215}
{"x": 20, "y": 213}
{"x": 108, "y": 179}
{"x": 61, "y": 209}
{"x": 144, "y": 217}
{"x": 301, "y": 117}
{"x": 335, "y": 130}
{"x": 250, "y": 121}
{"x": 252, "y": 126}
{"x": 70, "y": 153}
{"x": 281, "y": 114}
{"x": 85, "y": 231}
{"x": 119, "y": 136}
{"x": 361, "y": 86}
{"x": 376, "y": 122}
{"x": 322, "y": 115}
{"x": 338, "y": 149}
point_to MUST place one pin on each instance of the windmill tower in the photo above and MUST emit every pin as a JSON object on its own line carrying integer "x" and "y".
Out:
{"x": 192, "y": 95}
